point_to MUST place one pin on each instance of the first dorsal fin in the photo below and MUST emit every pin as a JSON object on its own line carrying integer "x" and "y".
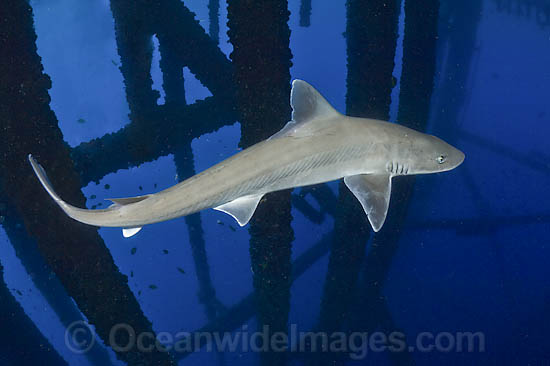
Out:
{"x": 309, "y": 111}
{"x": 127, "y": 200}
{"x": 307, "y": 103}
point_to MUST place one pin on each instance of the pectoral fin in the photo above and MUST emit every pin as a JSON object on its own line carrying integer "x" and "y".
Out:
{"x": 242, "y": 208}
{"x": 373, "y": 191}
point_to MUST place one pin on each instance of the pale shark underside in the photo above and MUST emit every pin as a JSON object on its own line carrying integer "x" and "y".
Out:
{"x": 318, "y": 145}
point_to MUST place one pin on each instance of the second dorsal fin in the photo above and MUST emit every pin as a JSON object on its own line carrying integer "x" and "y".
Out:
{"x": 127, "y": 200}
{"x": 309, "y": 111}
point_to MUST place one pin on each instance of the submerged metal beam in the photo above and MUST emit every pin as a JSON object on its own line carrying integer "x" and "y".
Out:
{"x": 21, "y": 342}
{"x": 183, "y": 158}
{"x": 44, "y": 279}
{"x": 176, "y": 29}
{"x": 305, "y": 13}
{"x": 245, "y": 309}
{"x": 160, "y": 132}
{"x": 261, "y": 56}
{"x": 214, "y": 20}
{"x": 75, "y": 252}
{"x": 419, "y": 47}
{"x": 371, "y": 37}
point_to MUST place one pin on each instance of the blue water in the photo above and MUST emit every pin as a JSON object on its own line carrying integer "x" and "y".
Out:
{"x": 472, "y": 255}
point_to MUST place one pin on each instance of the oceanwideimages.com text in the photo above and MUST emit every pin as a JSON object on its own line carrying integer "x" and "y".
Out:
{"x": 80, "y": 338}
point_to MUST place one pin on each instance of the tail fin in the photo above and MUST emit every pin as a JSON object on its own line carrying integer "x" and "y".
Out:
{"x": 101, "y": 217}
{"x": 41, "y": 174}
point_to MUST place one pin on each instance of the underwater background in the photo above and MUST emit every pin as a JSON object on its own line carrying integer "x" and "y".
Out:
{"x": 128, "y": 97}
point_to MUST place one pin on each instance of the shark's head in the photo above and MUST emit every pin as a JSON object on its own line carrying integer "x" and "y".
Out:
{"x": 432, "y": 155}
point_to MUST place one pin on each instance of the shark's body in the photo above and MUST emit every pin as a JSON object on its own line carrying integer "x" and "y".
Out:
{"x": 318, "y": 145}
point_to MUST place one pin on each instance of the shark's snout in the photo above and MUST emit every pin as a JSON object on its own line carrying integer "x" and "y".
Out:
{"x": 448, "y": 156}
{"x": 461, "y": 157}
{"x": 454, "y": 158}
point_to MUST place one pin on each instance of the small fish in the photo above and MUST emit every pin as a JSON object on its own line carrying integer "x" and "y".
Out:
{"x": 81, "y": 120}
{"x": 181, "y": 270}
{"x": 133, "y": 251}
{"x": 107, "y": 186}
{"x": 114, "y": 62}
{"x": 153, "y": 287}
{"x": 165, "y": 251}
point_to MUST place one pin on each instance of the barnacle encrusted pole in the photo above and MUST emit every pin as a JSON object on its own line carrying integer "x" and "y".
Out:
{"x": 238, "y": 314}
{"x": 75, "y": 252}
{"x": 173, "y": 23}
{"x": 21, "y": 342}
{"x": 371, "y": 37}
{"x": 261, "y": 57}
{"x": 536, "y": 10}
{"x": 182, "y": 42}
{"x": 214, "y": 20}
{"x": 159, "y": 130}
{"x": 419, "y": 47}
{"x": 185, "y": 167}
{"x": 169, "y": 127}
{"x": 43, "y": 278}
{"x": 305, "y": 13}
{"x": 457, "y": 37}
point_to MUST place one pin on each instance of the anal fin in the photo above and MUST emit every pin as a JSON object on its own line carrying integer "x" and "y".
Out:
{"x": 373, "y": 192}
{"x": 242, "y": 208}
{"x": 130, "y": 231}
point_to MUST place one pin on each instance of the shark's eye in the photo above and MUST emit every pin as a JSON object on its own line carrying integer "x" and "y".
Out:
{"x": 441, "y": 159}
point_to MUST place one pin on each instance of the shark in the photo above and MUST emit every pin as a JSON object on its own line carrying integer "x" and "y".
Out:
{"x": 318, "y": 145}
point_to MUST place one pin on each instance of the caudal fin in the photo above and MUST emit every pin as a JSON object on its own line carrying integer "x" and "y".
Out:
{"x": 43, "y": 177}
{"x": 102, "y": 217}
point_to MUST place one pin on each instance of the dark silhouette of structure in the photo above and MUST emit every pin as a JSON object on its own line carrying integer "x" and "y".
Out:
{"x": 75, "y": 252}
{"x": 537, "y": 10}
{"x": 214, "y": 20}
{"x": 207, "y": 295}
{"x": 28, "y": 346}
{"x": 371, "y": 35}
{"x": 419, "y": 47}
{"x": 261, "y": 57}
{"x": 44, "y": 279}
{"x": 305, "y": 13}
